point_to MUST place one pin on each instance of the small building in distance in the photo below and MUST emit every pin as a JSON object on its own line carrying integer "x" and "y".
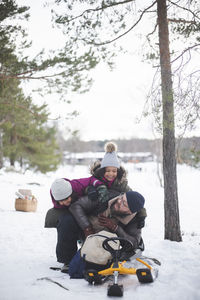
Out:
{"x": 86, "y": 158}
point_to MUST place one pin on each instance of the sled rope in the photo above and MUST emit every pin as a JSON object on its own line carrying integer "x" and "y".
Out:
{"x": 51, "y": 280}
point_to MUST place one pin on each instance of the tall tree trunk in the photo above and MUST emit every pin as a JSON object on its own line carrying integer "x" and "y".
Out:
{"x": 13, "y": 141}
{"x": 172, "y": 223}
{"x": 1, "y": 148}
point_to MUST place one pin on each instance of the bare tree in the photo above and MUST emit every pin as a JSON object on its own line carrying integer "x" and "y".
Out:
{"x": 172, "y": 224}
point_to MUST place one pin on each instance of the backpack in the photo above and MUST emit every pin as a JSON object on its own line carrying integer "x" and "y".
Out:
{"x": 92, "y": 250}
{"x": 77, "y": 266}
{"x": 92, "y": 255}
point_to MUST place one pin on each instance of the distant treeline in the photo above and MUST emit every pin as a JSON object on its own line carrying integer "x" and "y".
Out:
{"x": 187, "y": 148}
{"x": 131, "y": 145}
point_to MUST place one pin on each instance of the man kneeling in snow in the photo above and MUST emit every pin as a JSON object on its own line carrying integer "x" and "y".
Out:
{"x": 120, "y": 217}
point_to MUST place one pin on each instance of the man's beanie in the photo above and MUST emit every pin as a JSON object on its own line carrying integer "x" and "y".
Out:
{"x": 110, "y": 158}
{"x": 135, "y": 201}
{"x": 61, "y": 189}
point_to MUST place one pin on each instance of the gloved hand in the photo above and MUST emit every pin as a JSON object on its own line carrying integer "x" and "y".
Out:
{"x": 88, "y": 230}
{"x": 140, "y": 222}
{"x": 141, "y": 215}
{"x": 102, "y": 193}
{"x": 92, "y": 193}
{"x": 107, "y": 222}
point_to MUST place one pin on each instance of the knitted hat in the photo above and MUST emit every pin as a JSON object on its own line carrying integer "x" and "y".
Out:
{"x": 61, "y": 189}
{"x": 110, "y": 158}
{"x": 135, "y": 201}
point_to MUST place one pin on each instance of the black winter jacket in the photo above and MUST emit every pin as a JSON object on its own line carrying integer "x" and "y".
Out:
{"x": 83, "y": 211}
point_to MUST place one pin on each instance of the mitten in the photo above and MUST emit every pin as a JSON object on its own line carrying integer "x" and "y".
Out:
{"x": 107, "y": 222}
{"x": 102, "y": 193}
{"x": 141, "y": 215}
{"x": 140, "y": 222}
{"x": 92, "y": 193}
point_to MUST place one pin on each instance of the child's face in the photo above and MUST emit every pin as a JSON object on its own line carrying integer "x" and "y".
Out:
{"x": 110, "y": 173}
{"x": 66, "y": 202}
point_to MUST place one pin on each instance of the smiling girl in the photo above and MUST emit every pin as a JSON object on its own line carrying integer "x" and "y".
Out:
{"x": 110, "y": 172}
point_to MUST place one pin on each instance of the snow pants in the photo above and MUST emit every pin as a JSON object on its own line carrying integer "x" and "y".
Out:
{"x": 68, "y": 233}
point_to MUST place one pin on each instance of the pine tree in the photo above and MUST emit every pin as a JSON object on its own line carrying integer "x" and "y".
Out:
{"x": 26, "y": 137}
{"x": 60, "y": 71}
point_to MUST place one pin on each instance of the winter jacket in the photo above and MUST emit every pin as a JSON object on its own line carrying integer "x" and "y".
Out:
{"x": 120, "y": 183}
{"x": 83, "y": 211}
{"x": 78, "y": 188}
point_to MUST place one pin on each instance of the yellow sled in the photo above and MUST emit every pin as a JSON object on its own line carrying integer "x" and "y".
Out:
{"x": 144, "y": 275}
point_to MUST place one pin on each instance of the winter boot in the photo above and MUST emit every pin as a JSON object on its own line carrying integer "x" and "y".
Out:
{"x": 65, "y": 268}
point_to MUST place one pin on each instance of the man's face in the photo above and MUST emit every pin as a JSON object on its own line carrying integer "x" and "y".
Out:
{"x": 120, "y": 207}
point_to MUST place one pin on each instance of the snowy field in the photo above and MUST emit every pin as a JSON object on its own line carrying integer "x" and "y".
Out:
{"x": 28, "y": 249}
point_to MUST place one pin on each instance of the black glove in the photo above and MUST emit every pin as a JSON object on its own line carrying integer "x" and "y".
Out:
{"x": 141, "y": 215}
{"x": 140, "y": 222}
{"x": 92, "y": 193}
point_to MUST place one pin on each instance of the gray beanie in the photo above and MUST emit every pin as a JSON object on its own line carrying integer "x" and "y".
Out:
{"x": 61, "y": 189}
{"x": 135, "y": 201}
{"x": 110, "y": 158}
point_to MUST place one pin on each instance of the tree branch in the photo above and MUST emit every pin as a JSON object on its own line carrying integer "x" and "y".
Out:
{"x": 19, "y": 106}
{"x": 184, "y": 8}
{"x": 151, "y": 33}
{"x": 98, "y": 9}
{"x": 21, "y": 76}
{"x": 181, "y": 21}
{"x": 30, "y": 72}
{"x": 188, "y": 49}
{"x": 123, "y": 34}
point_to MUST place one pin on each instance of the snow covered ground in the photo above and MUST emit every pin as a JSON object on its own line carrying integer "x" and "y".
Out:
{"x": 28, "y": 249}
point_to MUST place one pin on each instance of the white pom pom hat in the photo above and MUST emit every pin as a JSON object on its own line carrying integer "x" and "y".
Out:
{"x": 110, "y": 158}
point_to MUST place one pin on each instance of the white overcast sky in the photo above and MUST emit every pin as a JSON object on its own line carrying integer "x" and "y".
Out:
{"x": 115, "y": 103}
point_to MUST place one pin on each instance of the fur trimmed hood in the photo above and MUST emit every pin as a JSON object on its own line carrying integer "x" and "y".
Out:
{"x": 96, "y": 171}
